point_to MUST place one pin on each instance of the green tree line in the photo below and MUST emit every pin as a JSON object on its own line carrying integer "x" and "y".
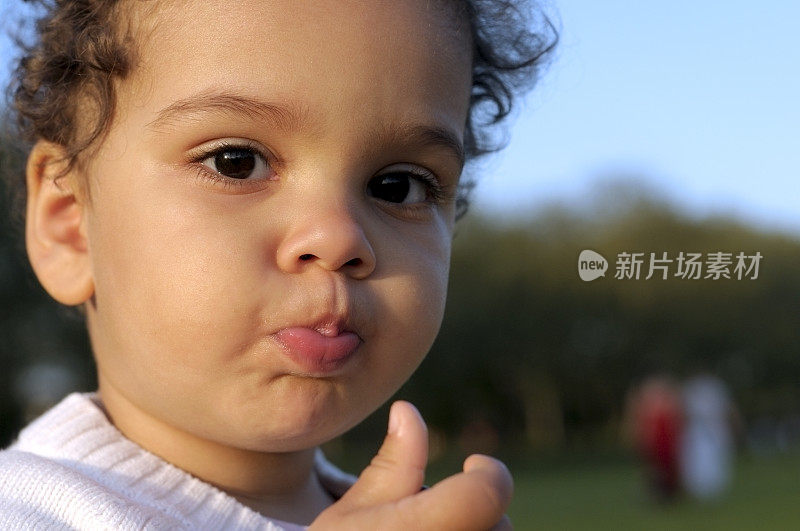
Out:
{"x": 547, "y": 359}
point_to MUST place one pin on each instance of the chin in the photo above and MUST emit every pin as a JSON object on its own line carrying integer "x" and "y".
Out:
{"x": 293, "y": 438}
{"x": 294, "y": 426}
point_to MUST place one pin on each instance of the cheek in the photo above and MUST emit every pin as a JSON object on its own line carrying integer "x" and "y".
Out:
{"x": 167, "y": 273}
{"x": 417, "y": 301}
{"x": 414, "y": 289}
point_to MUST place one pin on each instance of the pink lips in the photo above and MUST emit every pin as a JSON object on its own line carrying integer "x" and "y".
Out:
{"x": 318, "y": 352}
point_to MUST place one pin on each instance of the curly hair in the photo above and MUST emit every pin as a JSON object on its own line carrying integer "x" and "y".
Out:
{"x": 80, "y": 52}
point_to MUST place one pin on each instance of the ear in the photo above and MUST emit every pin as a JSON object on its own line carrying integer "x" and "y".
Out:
{"x": 55, "y": 228}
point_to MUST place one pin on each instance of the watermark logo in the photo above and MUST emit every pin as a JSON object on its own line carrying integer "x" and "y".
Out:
{"x": 683, "y": 265}
{"x": 591, "y": 265}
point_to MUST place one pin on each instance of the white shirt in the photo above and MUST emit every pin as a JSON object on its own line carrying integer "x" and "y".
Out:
{"x": 72, "y": 469}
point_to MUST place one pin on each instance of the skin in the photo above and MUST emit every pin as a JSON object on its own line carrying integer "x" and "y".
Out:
{"x": 188, "y": 275}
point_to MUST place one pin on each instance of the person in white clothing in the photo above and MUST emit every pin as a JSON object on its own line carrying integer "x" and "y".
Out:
{"x": 253, "y": 203}
{"x": 708, "y": 437}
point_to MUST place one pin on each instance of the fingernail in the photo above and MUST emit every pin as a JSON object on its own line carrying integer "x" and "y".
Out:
{"x": 394, "y": 420}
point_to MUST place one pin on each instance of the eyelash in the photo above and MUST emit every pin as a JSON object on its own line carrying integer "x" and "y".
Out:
{"x": 435, "y": 192}
{"x": 436, "y": 195}
{"x": 206, "y": 173}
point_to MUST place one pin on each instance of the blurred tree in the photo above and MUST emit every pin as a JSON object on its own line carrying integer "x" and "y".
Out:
{"x": 526, "y": 339}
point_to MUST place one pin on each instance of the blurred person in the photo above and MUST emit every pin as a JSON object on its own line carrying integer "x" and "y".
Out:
{"x": 707, "y": 443}
{"x": 655, "y": 412}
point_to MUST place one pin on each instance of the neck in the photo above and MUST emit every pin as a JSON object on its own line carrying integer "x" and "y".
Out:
{"x": 278, "y": 485}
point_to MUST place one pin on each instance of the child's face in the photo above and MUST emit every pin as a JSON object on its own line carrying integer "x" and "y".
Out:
{"x": 201, "y": 279}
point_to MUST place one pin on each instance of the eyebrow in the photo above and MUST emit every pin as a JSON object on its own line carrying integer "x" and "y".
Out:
{"x": 291, "y": 117}
{"x": 283, "y": 116}
{"x": 427, "y": 135}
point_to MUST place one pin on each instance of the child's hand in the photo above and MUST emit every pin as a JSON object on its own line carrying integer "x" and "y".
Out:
{"x": 387, "y": 494}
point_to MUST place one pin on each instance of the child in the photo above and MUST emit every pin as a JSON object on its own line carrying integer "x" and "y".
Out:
{"x": 253, "y": 203}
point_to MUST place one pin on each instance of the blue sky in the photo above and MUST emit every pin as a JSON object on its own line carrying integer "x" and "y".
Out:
{"x": 699, "y": 98}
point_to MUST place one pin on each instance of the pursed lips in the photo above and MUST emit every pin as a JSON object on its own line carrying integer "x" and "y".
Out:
{"x": 320, "y": 350}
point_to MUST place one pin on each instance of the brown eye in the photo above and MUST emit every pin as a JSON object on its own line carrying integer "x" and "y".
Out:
{"x": 398, "y": 187}
{"x": 237, "y": 163}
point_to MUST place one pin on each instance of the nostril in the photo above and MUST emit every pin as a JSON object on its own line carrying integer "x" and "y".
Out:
{"x": 352, "y": 262}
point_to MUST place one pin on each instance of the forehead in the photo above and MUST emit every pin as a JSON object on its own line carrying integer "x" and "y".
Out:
{"x": 408, "y": 57}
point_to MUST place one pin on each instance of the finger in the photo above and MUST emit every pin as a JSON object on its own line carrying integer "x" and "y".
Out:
{"x": 398, "y": 470}
{"x": 475, "y": 499}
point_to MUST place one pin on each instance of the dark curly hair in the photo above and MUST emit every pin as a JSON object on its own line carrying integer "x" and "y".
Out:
{"x": 80, "y": 51}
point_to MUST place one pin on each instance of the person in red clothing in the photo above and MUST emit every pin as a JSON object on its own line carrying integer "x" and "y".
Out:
{"x": 658, "y": 418}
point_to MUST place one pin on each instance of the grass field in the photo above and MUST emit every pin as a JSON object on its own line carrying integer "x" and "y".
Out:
{"x": 765, "y": 495}
{"x": 608, "y": 493}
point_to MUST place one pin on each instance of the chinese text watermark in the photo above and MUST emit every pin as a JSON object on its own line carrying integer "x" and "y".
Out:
{"x": 685, "y": 265}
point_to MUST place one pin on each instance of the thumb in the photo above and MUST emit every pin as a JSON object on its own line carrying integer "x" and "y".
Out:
{"x": 398, "y": 470}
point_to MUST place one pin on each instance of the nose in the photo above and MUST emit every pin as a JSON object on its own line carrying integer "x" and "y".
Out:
{"x": 334, "y": 241}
